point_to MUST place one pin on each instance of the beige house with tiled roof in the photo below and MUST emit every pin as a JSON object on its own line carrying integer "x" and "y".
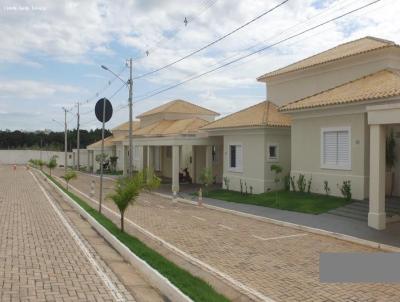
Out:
{"x": 166, "y": 139}
{"x": 343, "y": 103}
{"x": 253, "y": 139}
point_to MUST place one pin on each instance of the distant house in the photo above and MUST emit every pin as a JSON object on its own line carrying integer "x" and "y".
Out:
{"x": 343, "y": 103}
{"x": 253, "y": 139}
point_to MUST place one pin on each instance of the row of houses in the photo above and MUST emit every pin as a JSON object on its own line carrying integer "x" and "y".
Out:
{"x": 326, "y": 117}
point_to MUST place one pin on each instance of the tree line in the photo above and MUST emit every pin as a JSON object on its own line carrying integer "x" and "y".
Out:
{"x": 47, "y": 140}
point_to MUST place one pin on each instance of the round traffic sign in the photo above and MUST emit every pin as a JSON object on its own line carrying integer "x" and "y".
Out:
{"x": 99, "y": 110}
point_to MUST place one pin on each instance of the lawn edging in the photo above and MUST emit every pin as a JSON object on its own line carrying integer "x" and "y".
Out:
{"x": 156, "y": 279}
{"x": 340, "y": 236}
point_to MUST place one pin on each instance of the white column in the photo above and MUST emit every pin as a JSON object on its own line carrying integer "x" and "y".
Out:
{"x": 150, "y": 158}
{"x": 377, "y": 215}
{"x": 209, "y": 157}
{"x": 123, "y": 160}
{"x": 175, "y": 168}
{"x": 88, "y": 160}
{"x": 192, "y": 165}
{"x": 92, "y": 161}
{"x": 73, "y": 160}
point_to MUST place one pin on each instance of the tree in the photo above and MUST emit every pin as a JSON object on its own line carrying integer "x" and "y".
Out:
{"x": 128, "y": 189}
{"x": 207, "y": 178}
{"x": 69, "y": 175}
{"x": 99, "y": 157}
{"x": 113, "y": 163}
{"x": 52, "y": 163}
{"x": 278, "y": 170}
{"x": 41, "y": 163}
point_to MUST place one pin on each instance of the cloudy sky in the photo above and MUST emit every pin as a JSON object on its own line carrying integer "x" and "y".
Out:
{"x": 51, "y": 51}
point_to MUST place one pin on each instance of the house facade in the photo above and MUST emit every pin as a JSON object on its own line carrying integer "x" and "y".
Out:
{"x": 343, "y": 103}
{"x": 253, "y": 139}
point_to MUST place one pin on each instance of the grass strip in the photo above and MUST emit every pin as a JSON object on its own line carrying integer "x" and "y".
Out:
{"x": 194, "y": 287}
{"x": 285, "y": 200}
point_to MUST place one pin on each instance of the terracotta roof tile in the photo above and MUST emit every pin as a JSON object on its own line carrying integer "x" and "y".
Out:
{"x": 172, "y": 127}
{"x": 264, "y": 114}
{"x": 379, "y": 85}
{"x": 179, "y": 106}
{"x": 348, "y": 49}
{"x": 108, "y": 142}
{"x": 125, "y": 126}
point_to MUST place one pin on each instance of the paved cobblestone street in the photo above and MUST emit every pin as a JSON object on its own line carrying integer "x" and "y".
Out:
{"x": 278, "y": 262}
{"x": 40, "y": 258}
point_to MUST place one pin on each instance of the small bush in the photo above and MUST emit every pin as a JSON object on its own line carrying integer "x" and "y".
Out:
{"x": 293, "y": 183}
{"x": 346, "y": 190}
{"x": 309, "y": 185}
{"x": 226, "y": 182}
{"x": 286, "y": 182}
{"x": 326, "y": 188}
{"x": 301, "y": 183}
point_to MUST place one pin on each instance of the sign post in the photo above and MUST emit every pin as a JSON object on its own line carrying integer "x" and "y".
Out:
{"x": 103, "y": 112}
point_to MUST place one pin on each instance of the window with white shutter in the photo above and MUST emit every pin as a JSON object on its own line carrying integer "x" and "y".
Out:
{"x": 335, "y": 148}
{"x": 236, "y": 158}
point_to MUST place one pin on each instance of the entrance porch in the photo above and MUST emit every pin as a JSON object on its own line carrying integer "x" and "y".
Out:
{"x": 381, "y": 118}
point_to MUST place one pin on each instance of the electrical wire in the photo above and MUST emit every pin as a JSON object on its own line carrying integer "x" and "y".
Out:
{"x": 211, "y": 43}
{"x": 256, "y": 52}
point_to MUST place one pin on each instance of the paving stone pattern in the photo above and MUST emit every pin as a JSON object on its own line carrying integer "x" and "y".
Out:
{"x": 261, "y": 255}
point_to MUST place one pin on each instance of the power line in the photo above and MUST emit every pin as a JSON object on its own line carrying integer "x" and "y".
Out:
{"x": 194, "y": 17}
{"x": 255, "y": 52}
{"x": 211, "y": 43}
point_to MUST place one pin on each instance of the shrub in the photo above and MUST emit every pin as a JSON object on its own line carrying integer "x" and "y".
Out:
{"x": 206, "y": 178}
{"x": 309, "y": 185}
{"x": 293, "y": 183}
{"x": 69, "y": 175}
{"x": 326, "y": 188}
{"x": 286, "y": 182}
{"x": 346, "y": 190}
{"x": 52, "y": 163}
{"x": 301, "y": 183}
{"x": 226, "y": 182}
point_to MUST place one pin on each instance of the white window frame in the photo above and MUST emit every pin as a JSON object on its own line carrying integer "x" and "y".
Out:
{"x": 273, "y": 159}
{"x": 236, "y": 169}
{"x": 335, "y": 167}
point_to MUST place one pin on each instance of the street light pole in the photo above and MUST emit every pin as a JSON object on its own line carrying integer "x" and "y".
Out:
{"x": 78, "y": 138}
{"x": 130, "y": 171}
{"x": 65, "y": 141}
{"x": 102, "y": 155}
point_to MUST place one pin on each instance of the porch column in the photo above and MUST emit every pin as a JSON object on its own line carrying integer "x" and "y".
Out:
{"x": 175, "y": 168}
{"x": 150, "y": 157}
{"x": 92, "y": 161}
{"x": 192, "y": 165}
{"x": 209, "y": 157}
{"x": 377, "y": 163}
{"x": 88, "y": 160}
{"x": 123, "y": 160}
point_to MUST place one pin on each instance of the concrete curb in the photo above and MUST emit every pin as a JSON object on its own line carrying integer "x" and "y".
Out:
{"x": 344, "y": 237}
{"x": 153, "y": 276}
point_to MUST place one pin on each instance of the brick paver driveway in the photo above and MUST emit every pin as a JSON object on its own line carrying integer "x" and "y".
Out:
{"x": 278, "y": 262}
{"x": 42, "y": 256}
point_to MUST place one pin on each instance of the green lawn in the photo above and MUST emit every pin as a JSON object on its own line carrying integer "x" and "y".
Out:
{"x": 195, "y": 288}
{"x": 287, "y": 200}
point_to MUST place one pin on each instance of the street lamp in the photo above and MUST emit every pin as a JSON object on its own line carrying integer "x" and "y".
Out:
{"x": 130, "y": 169}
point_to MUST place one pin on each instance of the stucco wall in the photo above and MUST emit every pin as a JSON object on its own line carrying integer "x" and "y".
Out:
{"x": 306, "y": 153}
{"x": 253, "y": 148}
{"x": 21, "y": 157}
{"x": 281, "y": 137}
{"x": 296, "y": 85}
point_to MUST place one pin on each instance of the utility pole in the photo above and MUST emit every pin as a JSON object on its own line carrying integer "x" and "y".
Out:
{"x": 78, "y": 138}
{"x": 130, "y": 171}
{"x": 65, "y": 141}
{"x": 102, "y": 155}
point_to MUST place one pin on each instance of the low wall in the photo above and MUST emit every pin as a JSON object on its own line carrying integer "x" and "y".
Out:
{"x": 21, "y": 157}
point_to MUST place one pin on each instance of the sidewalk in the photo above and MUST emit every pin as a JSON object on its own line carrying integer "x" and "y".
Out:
{"x": 325, "y": 221}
